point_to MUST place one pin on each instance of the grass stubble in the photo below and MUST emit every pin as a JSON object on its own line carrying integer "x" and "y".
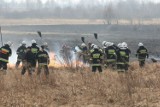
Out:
{"x": 69, "y": 87}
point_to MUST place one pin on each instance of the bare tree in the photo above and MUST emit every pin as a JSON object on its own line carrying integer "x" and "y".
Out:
{"x": 29, "y": 4}
{"x": 109, "y": 13}
{"x": 39, "y": 4}
{"x": 50, "y": 4}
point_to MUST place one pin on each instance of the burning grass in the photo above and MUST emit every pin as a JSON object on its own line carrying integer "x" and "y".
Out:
{"x": 71, "y": 87}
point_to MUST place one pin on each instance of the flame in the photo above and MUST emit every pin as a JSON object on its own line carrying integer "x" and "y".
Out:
{"x": 53, "y": 61}
{"x": 11, "y": 65}
{"x": 57, "y": 62}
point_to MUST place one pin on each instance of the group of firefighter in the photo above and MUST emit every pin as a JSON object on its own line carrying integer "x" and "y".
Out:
{"x": 110, "y": 55}
{"x": 29, "y": 56}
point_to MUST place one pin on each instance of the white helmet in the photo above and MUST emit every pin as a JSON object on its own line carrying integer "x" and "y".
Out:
{"x": 140, "y": 44}
{"x": 83, "y": 45}
{"x": 119, "y": 45}
{"x": 124, "y": 45}
{"x": 92, "y": 45}
{"x": 95, "y": 47}
{"x": 23, "y": 42}
{"x": 103, "y": 43}
{"x": 45, "y": 44}
{"x": 110, "y": 43}
{"x": 33, "y": 41}
{"x": 77, "y": 49}
{"x": 107, "y": 44}
{"x": 9, "y": 43}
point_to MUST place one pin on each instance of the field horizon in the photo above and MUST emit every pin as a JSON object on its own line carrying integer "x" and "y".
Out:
{"x": 61, "y": 21}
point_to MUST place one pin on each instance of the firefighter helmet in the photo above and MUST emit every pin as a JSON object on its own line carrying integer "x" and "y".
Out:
{"x": 9, "y": 43}
{"x": 45, "y": 44}
{"x": 103, "y": 43}
{"x": 33, "y": 41}
{"x": 23, "y": 42}
{"x": 95, "y": 47}
{"x": 119, "y": 45}
{"x": 92, "y": 45}
{"x": 110, "y": 44}
{"x": 124, "y": 45}
{"x": 83, "y": 45}
{"x": 107, "y": 44}
{"x": 140, "y": 44}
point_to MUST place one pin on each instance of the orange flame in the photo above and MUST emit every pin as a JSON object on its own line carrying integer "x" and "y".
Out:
{"x": 56, "y": 63}
{"x": 53, "y": 61}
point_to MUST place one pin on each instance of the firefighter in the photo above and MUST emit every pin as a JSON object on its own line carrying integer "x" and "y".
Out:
{"x": 45, "y": 44}
{"x": 125, "y": 45}
{"x": 28, "y": 61}
{"x": 89, "y": 45}
{"x": 96, "y": 59}
{"x": 142, "y": 54}
{"x": 34, "y": 50}
{"x": 20, "y": 52}
{"x": 123, "y": 55}
{"x": 43, "y": 61}
{"x": 110, "y": 54}
{"x": 5, "y": 53}
{"x": 119, "y": 45}
{"x": 92, "y": 46}
{"x": 84, "y": 52}
{"x": 104, "y": 44}
{"x": 66, "y": 53}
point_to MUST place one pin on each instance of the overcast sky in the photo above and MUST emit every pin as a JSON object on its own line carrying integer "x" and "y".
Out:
{"x": 76, "y": 1}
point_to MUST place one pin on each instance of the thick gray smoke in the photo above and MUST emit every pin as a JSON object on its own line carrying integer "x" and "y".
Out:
{"x": 93, "y": 9}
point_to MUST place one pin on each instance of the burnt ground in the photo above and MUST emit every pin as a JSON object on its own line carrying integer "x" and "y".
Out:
{"x": 57, "y": 35}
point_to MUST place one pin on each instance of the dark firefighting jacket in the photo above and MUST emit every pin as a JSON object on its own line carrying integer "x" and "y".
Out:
{"x": 43, "y": 58}
{"x": 123, "y": 56}
{"x": 29, "y": 57}
{"x": 21, "y": 52}
{"x": 110, "y": 53}
{"x": 142, "y": 53}
{"x": 96, "y": 57}
{"x": 84, "y": 50}
{"x": 34, "y": 49}
{"x": 5, "y": 53}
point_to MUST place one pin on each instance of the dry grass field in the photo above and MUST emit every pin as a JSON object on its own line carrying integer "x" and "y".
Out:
{"x": 79, "y": 87}
{"x": 70, "y": 87}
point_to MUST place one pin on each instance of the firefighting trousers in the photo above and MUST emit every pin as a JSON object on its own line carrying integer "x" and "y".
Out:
{"x": 94, "y": 68}
{"x": 122, "y": 67}
{"x": 141, "y": 63}
{"x": 18, "y": 62}
{"x": 27, "y": 67}
{"x": 110, "y": 63}
{"x": 44, "y": 67}
{"x": 3, "y": 65}
{"x": 34, "y": 63}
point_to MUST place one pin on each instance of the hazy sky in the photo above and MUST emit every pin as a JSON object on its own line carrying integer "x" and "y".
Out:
{"x": 76, "y": 1}
{"x": 90, "y": 0}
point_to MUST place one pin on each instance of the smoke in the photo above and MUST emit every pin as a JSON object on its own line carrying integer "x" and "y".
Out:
{"x": 93, "y": 9}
